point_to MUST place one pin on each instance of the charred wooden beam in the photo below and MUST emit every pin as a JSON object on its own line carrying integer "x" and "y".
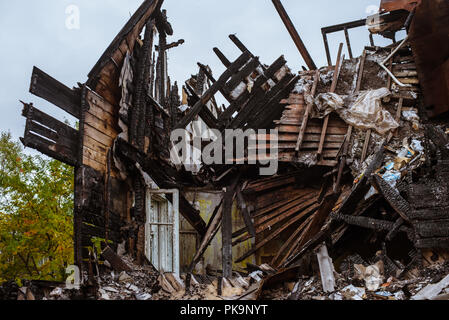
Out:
{"x": 163, "y": 25}
{"x": 212, "y": 90}
{"x": 255, "y": 94}
{"x": 116, "y": 262}
{"x": 273, "y": 109}
{"x": 294, "y": 34}
{"x": 393, "y": 197}
{"x": 137, "y": 116}
{"x": 162, "y": 69}
{"x": 361, "y": 188}
{"x": 226, "y": 226}
{"x": 368, "y": 223}
{"x": 174, "y": 104}
{"x": 50, "y": 136}
{"x": 224, "y": 91}
{"x": 319, "y": 218}
{"x": 48, "y": 88}
{"x": 222, "y": 57}
{"x": 245, "y": 72}
{"x": 238, "y": 43}
{"x": 395, "y": 229}
{"x": 171, "y": 45}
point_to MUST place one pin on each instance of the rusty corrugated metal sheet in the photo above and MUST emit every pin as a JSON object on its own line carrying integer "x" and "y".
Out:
{"x": 392, "y": 5}
{"x": 429, "y": 38}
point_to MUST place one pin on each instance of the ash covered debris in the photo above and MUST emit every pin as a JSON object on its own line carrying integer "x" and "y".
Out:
{"x": 358, "y": 208}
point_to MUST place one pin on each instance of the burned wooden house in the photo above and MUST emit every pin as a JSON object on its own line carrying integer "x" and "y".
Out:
{"x": 357, "y": 143}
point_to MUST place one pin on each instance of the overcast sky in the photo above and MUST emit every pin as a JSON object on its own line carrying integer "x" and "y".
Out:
{"x": 35, "y": 33}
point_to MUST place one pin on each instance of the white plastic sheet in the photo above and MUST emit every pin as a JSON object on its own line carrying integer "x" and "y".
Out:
{"x": 366, "y": 112}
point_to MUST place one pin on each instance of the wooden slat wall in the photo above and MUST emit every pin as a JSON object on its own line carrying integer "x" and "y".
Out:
{"x": 99, "y": 132}
{"x": 289, "y": 127}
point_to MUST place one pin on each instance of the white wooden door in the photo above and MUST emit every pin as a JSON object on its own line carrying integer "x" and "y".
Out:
{"x": 162, "y": 230}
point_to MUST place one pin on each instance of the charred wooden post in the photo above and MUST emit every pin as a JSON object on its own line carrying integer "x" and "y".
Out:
{"x": 348, "y": 43}
{"x": 294, "y": 34}
{"x": 226, "y": 227}
{"x": 164, "y": 28}
{"x": 137, "y": 118}
{"x": 222, "y": 58}
{"x": 174, "y": 104}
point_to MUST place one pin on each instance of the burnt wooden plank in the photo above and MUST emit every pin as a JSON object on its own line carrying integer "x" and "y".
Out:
{"x": 428, "y": 229}
{"x": 50, "y": 89}
{"x": 429, "y": 213}
{"x": 50, "y": 149}
{"x": 278, "y": 216}
{"x": 222, "y": 57}
{"x": 34, "y": 114}
{"x": 245, "y": 72}
{"x": 276, "y": 233}
{"x": 393, "y": 197}
{"x": 432, "y": 243}
{"x": 51, "y": 135}
{"x": 268, "y": 74}
{"x": 225, "y": 92}
{"x": 195, "y": 110}
{"x": 273, "y": 109}
{"x": 116, "y": 262}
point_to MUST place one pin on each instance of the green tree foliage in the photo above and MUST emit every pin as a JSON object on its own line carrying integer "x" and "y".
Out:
{"x": 36, "y": 214}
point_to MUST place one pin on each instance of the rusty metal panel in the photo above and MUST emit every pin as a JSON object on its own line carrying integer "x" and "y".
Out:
{"x": 392, "y": 5}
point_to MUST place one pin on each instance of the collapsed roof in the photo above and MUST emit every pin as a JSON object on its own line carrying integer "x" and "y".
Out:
{"x": 357, "y": 142}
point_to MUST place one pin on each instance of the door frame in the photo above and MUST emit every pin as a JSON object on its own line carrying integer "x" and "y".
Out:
{"x": 174, "y": 213}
